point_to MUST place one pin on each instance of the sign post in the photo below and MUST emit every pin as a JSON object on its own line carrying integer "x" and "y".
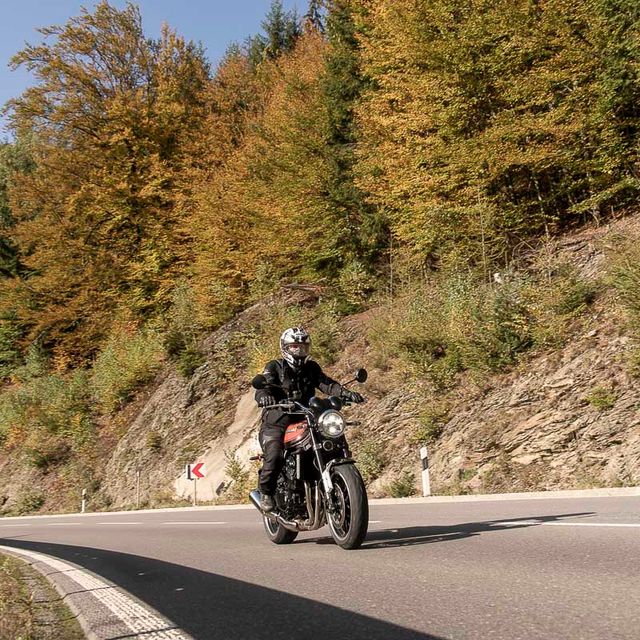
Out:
{"x": 426, "y": 482}
{"x": 195, "y": 471}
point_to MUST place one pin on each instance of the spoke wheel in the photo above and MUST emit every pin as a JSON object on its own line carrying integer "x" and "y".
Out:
{"x": 277, "y": 533}
{"x": 349, "y": 519}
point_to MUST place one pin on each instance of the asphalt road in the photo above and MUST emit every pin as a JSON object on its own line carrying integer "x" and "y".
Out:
{"x": 557, "y": 568}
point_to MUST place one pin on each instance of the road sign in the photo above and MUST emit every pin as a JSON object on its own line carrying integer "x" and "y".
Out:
{"x": 195, "y": 471}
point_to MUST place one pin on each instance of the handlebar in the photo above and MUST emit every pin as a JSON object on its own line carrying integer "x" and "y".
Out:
{"x": 294, "y": 404}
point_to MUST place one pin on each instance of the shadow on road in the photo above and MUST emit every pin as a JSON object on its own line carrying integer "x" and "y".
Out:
{"x": 207, "y": 605}
{"x": 408, "y": 536}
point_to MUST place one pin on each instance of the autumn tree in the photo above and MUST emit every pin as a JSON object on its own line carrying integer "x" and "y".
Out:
{"x": 487, "y": 122}
{"x": 95, "y": 221}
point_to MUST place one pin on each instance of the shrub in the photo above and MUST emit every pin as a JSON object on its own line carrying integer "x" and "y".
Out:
{"x": 129, "y": 359}
{"x": 403, "y": 486}
{"x": 48, "y": 417}
{"x": 10, "y": 334}
{"x": 626, "y": 280}
{"x": 371, "y": 459}
{"x": 451, "y": 323}
{"x": 182, "y": 331}
{"x": 242, "y": 480}
{"x": 30, "y": 501}
{"x": 154, "y": 441}
{"x": 432, "y": 419}
{"x": 601, "y": 398}
{"x": 189, "y": 360}
{"x": 325, "y": 333}
{"x": 354, "y": 285}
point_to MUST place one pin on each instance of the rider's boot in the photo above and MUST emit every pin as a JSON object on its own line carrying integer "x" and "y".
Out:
{"x": 266, "y": 502}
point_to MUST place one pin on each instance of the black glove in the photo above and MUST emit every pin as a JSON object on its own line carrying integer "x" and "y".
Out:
{"x": 266, "y": 400}
{"x": 352, "y": 396}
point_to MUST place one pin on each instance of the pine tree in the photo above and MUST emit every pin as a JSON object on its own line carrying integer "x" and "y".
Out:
{"x": 281, "y": 30}
{"x": 342, "y": 85}
{"x": 314, "y": 17}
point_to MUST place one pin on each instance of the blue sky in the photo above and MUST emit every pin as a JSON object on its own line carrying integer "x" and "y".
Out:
{"x": 215, "y": 23}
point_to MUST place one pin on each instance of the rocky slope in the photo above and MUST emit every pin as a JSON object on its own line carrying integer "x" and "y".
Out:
{"x": 561, "y": 419}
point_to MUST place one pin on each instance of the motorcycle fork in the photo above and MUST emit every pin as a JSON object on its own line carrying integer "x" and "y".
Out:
{"x": 327, "y": 484}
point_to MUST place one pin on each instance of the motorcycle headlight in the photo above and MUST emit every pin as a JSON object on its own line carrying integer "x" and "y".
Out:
{"x": 331, "y": 424}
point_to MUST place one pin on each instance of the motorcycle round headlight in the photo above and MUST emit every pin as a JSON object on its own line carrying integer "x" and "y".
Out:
{"x": 331, "y": 424}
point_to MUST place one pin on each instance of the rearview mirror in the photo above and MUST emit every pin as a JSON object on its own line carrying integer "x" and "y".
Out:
{"x": 259, "y": 382}
{"x": 361, "y": 375}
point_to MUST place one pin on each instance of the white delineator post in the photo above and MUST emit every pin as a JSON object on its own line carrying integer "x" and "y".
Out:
{"x": 426, "y": 482}
{"x": 83, "y": 507}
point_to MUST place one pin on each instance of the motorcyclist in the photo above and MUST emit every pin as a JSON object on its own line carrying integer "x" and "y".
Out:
{"x": 294, "y": 376}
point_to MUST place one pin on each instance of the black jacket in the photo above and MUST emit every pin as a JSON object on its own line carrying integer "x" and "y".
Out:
{"x": 300, "y": 384}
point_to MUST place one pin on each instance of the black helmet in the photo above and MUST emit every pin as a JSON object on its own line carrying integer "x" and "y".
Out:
{"x": 295, "y": 345}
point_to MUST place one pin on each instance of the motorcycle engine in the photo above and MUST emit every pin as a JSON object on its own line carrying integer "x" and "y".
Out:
{"x": 289, "y": 496}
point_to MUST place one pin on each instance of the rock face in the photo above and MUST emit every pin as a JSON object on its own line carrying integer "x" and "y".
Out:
{"x": 195, "y": 420}
{"x": 547, "y": 426}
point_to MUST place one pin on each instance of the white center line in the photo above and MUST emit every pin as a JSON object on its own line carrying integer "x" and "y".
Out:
{"x": 62, "y": 524}
{"x": 194, "y": 522}
{"x": 120, "y": 523}
{"x": 521, "y": 523}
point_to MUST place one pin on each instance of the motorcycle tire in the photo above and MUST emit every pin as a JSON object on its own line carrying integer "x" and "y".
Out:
{"x": 349, "y": 525}
{"x": 277, "y": 533}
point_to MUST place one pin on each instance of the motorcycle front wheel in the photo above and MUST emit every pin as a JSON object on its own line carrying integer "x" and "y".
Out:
{"x": 349, "y": 521}
{"x": 277, "y": 533}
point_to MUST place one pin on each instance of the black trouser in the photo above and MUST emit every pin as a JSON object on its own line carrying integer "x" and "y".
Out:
{"x": 271, "y": 439}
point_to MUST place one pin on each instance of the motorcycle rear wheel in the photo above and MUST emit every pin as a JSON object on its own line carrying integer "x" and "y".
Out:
{"x": 349, "y": 523}
{"x": 277, "y": 533}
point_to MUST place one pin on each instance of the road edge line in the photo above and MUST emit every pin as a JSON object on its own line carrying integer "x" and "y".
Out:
{"x": 38, "y": 561}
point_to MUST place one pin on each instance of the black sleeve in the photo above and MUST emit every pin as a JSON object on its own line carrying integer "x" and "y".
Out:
{"x": 272, "y": 374}
{"x": 326, "y": 384}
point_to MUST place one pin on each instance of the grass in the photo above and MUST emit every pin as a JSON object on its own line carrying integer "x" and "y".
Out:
{"x": 30, "y": 609}
{"x": 602, "y": 398}
{"x": 444, "y": 324}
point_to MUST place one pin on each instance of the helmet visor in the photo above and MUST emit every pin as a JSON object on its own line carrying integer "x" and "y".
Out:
{"x": 298, "y": 349}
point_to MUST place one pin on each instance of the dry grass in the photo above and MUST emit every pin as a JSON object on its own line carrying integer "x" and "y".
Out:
{"x": 30, "y": 609}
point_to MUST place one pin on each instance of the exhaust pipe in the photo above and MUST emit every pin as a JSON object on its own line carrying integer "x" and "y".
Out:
{"x": 254, "y": 496}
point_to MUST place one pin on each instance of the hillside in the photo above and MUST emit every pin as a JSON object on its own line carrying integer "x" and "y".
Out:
{"x": 447, "y": 196}
{"x": 559, "y": 418}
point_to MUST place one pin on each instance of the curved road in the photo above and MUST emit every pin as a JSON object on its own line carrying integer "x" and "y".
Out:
{"x": 551, "y": 568}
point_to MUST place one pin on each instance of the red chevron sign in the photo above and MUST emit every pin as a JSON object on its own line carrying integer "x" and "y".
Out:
{"x": 195, "y": 471}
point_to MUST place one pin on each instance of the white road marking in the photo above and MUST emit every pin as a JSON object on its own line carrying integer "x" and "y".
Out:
{"x": 195, "y": 522}
{"x": 15, "y": 525}
{"x": 62, "y": 524}
{"x": 520, "y": 523}
{"x": 105, "y": 522}
{"x": 375, "y": 521}
{"x": 128, "y": 611}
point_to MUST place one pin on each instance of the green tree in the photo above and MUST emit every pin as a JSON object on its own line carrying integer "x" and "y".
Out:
{"x": 281, "y": 30}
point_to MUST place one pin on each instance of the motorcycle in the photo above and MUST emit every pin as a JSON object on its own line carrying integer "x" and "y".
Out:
{"x": 319, "y": 482}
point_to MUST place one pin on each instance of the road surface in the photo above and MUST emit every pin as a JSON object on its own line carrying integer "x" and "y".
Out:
{"x": 552, "y": 568}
